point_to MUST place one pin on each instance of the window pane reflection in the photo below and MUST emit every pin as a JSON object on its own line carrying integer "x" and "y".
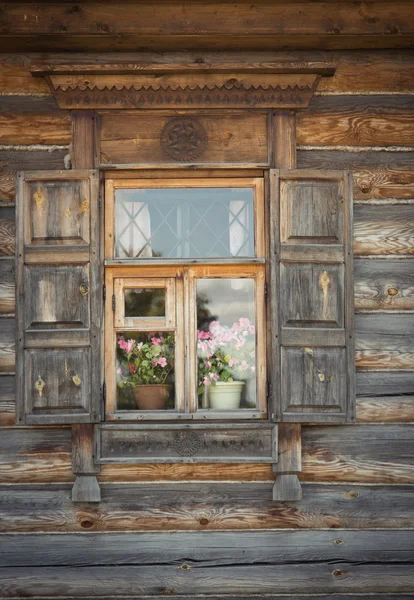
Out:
{"x": 184, "y": 223}
{"x": 141, "y": 302}
{"x": 226, "y": 343}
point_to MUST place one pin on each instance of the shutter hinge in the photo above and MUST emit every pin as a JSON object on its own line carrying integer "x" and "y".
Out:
{"x": 265, "y": 290}
{"x": 104, "y": 392}
{"x": 104, "y": 292}
{"x": 100, "y": 200}
{"x": 269, "y": 389}
{"x": 113, "y": 302}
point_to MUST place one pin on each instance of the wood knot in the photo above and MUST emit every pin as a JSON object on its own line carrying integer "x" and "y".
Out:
{"x": 86, "y": 523}
{"x": 392, "y": 291}
{"x": 338, "y": 542}
{"x": 338, "y": 573}
{"x": 351, "y": 494}
{"x": 204, "y": 522}
{"x": 185, "y": 567}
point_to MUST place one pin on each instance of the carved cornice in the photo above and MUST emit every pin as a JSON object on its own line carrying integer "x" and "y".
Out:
{"x": 108, "y": 89}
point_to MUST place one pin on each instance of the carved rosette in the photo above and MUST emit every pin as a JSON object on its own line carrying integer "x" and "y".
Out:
{"x": 184, "y": 139}
{"x": 186, "y": 443}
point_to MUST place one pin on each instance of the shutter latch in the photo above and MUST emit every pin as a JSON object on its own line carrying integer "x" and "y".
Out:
{"x": 104, "y": 292}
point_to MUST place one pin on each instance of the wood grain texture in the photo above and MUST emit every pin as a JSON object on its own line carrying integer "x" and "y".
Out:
{"x": 217, "y": 25}
{"x": 205, "y": 548}
{"x": 312, "y": 577}
{"x": 376, "y": 175}
{"x": 359, "y": 453}
{"x": 204, "y": 507}
{"x": 135, "y": 138}
{"x": 356, "y": 121}
{"x": 388, "y": 409}
{"x": 384, "y": 342}
{"x": 12, "y": 161}
{"x": 384, "y": 230}
{"x": 7, "y": 344}
{"x": 384, "y": 383}
{"x": 384, "y": 285}
{"x": 7, "y": 287}
{"x": 7, "y": 231}
{"x": 7, "y": 400}
{"x": 26, "y": 129}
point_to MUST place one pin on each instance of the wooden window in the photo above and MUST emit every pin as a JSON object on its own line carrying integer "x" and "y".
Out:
{"x": 185, "y": 329}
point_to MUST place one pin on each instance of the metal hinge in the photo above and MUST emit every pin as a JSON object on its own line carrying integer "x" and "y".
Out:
{"x": 265, "y": 290}
{"x": 104, "y": 392}
{"x": 269, "y": 389}
{"x": 113, "y": 302}
{"x": 104, "y": 292}
{"x": 100, "y": 200}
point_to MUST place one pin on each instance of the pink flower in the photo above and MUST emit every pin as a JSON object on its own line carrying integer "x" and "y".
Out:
{"x": 203, "y": 335}
{"x": 244, "y": 365}
{"x": 129, "y": 346}
{"x": 162, "y": 361}
{"x": 206, "y": 381}
{"x": 119, "y": 371}
{"x": 213, "y": 376}
{"x": 207, "y": 364}
{"x": 156, "y": 341}
{"x": 252, "y": 329}
{"x": 244, "y": 322}
{"x": 233, "y": 362}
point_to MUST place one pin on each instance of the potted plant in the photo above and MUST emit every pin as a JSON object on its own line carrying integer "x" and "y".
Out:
{"x": 146, "y": 366}
{"x": 226, "y": 359}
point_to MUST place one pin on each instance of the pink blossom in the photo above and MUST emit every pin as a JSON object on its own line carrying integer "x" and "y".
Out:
{"x": 252, "y": 329}
{"x": 207, "y": 364}
{"x": 126, "y": 345}
{"x": 204, "y": 335}
{"x": 119, "y": 371}
{"x": 233, "y": 362}
{"x": 162, "y": 361}
{"x": 156, "y": 341}
{"x": 244, "y": 365}
{"x": 206, "y": 381}
{"x": 213, "y": 376}
{"x": 244, "y": 322}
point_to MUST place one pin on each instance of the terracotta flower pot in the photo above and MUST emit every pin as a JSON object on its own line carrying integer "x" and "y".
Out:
{"x": 152, "y": 397}
{"x": 225, "y": 395}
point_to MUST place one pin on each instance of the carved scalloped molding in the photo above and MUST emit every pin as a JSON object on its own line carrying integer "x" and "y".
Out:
{"x": 112, "y": 90}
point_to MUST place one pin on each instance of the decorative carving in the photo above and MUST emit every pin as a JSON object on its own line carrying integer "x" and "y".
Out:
{"x": 186, "y": 443}
{"x": 184, "y": 139}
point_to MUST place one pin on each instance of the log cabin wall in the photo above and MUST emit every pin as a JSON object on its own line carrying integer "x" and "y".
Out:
{"x": 197, "y": 529}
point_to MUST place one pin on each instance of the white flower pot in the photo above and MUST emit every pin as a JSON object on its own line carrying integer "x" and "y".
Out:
{"x": 225, "y": 395}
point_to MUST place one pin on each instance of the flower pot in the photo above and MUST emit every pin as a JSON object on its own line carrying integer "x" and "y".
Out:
{"x": 152, "y": 397}
{"x": 225, "y": 395}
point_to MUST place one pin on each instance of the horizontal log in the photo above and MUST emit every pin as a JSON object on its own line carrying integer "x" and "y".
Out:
{"x": 376, "y": 175}
{"x": 384, "y": 342}
{"x": 26, "y": 129}
{"x": 124, "y": 18}
{"x": 18, "y": 160}
{"x": 384, "y": 383}
{"x": 383, "y": 230}
{"x": 114, "y": 580}
{"x": 202, "y": 549}
{"x": 7, "y": 287}
{"x": 7, "y": 231}
{"x": 356, "y": 121}
{"x": 7, "y": 400}
{"x": 384, "y": 285}
{"x": 7, "y": 344}
{"x": 359, "y": 453}
{"x": 356, "y": 70}
{"x": 387, "y": 409}
{"x": 204, "y": 507}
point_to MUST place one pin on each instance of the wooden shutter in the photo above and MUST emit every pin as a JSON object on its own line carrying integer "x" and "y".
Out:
{"x": 311, "y": 296}
{"x": 59, "y": 294}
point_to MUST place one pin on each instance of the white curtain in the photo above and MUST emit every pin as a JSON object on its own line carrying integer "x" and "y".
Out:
{"x": 133, "y": 225}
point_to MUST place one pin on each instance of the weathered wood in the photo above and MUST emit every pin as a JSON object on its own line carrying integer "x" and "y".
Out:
{"x": 287, "y": 488}
{"x": 126, "y": 27}
{"x": 384, "y": 342}
{"x": 359, "y": 453}
{"x": 205, "y": 507}
{"x": 388, "y": 409}
{"x": 86, "y": 489}
{"x": 322, "y": 577}
{"x": 85, "y": 146}
{"x": 7, "y": 231}
{"x": 135, "y": 138}
{"x": 7, "y": 287}
{"x": 26, "y": 129}
{"x": 12, "y": 161}
{"x": 7, "y": 344}
{"x": 206, "y": 548}
{"x": 383, "y": 230}
{"x": 7, "y": 400}
{"x": 376, "y": 175}
{"x": 83, "y": 449}
{"x": 384, "y": 285}
{"x": 283, "y": 145}
{"x": 356, "y": 121}
{"x": 384, "y": 383}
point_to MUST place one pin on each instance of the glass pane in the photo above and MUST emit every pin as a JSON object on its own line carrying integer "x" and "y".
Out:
{"x": 145, "y": 371}
{"x": 226, "y": 343}
{"x": 141, "y": 302}
{"x": 184, "y": 223}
